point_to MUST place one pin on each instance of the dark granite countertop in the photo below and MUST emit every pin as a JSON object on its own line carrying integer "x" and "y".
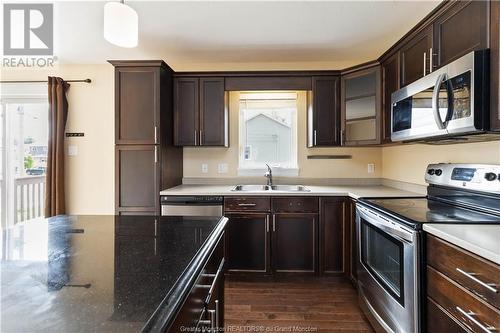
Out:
{"x": 97, "y": 273}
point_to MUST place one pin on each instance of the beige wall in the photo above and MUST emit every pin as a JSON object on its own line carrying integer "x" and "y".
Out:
{"x": 90, "y": 174}
{"x": 352, "y": 168}
{"x": 407, "y": 163}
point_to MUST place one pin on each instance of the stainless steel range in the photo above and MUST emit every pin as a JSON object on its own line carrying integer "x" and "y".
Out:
{"x": 389, "y": 233}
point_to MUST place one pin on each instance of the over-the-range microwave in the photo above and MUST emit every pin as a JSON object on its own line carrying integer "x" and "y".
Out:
{"x": 451, "y": 101}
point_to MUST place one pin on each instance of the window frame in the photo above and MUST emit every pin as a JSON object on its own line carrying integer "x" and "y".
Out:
{"x": 251, "y": 169}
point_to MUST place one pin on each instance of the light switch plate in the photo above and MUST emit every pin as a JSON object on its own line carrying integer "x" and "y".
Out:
{"x": 222, "y": 168}
{"x": 72, "y": 150}
{"x": 204, "y": 168}
{"x": 371, "y": 168}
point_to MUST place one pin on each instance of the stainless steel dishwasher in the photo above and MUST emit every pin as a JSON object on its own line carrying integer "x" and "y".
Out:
{"x": 191, "y": 205}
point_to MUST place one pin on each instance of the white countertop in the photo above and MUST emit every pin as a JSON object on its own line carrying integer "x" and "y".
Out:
{"x": 351, "y": 191}
{"x": 480, "y": 239}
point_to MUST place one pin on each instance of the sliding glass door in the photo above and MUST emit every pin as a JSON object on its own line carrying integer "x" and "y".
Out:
{"x": 24, "y": 142}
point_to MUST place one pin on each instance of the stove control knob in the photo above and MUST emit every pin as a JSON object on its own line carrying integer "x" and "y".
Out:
{"x": 430, "y": 171}
{"x": 439, "y": 172}
{"x": 490, "y": 176}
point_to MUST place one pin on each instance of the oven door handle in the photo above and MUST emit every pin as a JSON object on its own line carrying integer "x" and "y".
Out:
{"x": 392, "y": 228}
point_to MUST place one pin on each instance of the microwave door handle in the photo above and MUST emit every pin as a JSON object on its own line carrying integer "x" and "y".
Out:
{"x": 435, "y": 102}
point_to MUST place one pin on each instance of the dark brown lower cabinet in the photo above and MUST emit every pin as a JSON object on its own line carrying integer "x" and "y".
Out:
{"x": 247, "y": 242}
{"x": 294, "y": 242}
{"x": 353, "y": 241}
{"x": 439, "y": 320}
{"x": 333, "y": 236}
{"x": 203, "y": 308}
{"x": 461, "y": 290}
{"x": 137, "y": 179}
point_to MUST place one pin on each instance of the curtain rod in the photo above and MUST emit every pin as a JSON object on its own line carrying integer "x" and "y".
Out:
{"x": 41, "y": 81}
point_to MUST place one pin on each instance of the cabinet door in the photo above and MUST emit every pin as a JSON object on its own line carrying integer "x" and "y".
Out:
{"x": 323, "y": 118}
{"x": 332, "y": 235}
{"x": 186, "y": 112}
{"x": 461, "y": 29}
{"x": 213, "y": 113}
{"x": 137, "y": 179}
{"x": 137, "y": 105}
{"x": 360, "y": 107}
{"x": 415, "y": 56}
{"x": 247, "y": 243}
{"x": 353, "y": 244}
{"x": 495, "y": 66}
{"x": 390, "y": 79}
{"x": 294, "y": 243}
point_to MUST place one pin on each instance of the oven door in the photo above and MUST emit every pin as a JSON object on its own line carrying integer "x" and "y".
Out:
{"x": 387, "y": 272}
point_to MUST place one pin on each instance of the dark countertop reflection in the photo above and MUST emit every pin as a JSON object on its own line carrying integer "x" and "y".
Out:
{"x": 94, "y": 273}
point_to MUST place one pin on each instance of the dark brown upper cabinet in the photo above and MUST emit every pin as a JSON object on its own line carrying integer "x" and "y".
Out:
{"x": 200, "y": 112}
{"x": 390, "y": 83}
{"x": 416, "y": 56}
{"x": 323, "y": 112}
{"x": 495, "y": 66}
{"x": 361, "y": 107}
{"x": 460, "y": 29}
{"x": 137, "y": 104}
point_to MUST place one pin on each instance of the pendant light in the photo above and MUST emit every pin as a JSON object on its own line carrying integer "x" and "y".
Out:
{"x": 121, "y": 24}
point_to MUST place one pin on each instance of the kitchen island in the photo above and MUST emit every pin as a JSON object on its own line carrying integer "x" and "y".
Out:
{"x": 106, "y": 273}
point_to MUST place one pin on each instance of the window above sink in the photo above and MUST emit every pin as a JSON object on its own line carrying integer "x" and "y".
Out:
{"x": 268, "y": 132}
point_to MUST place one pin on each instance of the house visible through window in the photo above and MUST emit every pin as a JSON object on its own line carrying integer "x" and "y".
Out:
{"x": 268, "y": 130}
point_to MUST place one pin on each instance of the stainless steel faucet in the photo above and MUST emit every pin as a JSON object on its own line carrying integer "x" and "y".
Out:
{"x": 269, "y": 175}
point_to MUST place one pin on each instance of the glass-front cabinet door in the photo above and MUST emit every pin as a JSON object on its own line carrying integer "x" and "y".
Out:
{"x": 361, "y": 107}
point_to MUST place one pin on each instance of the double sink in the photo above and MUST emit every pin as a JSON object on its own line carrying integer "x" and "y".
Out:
{"x": 261, "y": 188}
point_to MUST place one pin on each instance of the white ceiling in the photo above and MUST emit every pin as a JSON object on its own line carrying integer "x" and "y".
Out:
{"x": 235, "y": 35}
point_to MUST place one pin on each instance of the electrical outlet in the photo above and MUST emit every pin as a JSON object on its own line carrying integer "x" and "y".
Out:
{"x": 371, "y": 168}
{"x": 222, "y": 168}
{"x": 204, "y": 168}
{"x": 72, "y": 150}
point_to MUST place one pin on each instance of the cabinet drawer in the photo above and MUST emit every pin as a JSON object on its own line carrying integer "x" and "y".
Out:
{"x": 466, "y": 308}
{"x": 244, "y": 204}
{"x": 438, "y": 320}
{"x": 194, "y": 307}
{"x": 478, "y": 275}
{"x": 295, "y": 205}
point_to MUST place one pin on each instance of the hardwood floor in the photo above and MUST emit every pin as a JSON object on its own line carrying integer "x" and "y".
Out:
{"x": 307, "y": 304}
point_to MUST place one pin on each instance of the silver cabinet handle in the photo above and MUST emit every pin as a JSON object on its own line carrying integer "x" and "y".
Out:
{"x": 267, "y": 223}
{"x": 342, "y": 137}
{"x": 472, "y": 276}
{"x": 314, "y": 137}
{"x": 217, "y": 311}
{"x": 195, "y": 137}
{"x": 430, "y": 60}
{"x": 156, "y": 134}
{"x": 247, "y": 204}
{"x": 212, "y": 320}
{"x": 201, "y": 137}
{"x": 425, "y": 63}
{"x": 156, "y": 154}
{"x": 470, "y": 315}
{"x": 274, "y": 223}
